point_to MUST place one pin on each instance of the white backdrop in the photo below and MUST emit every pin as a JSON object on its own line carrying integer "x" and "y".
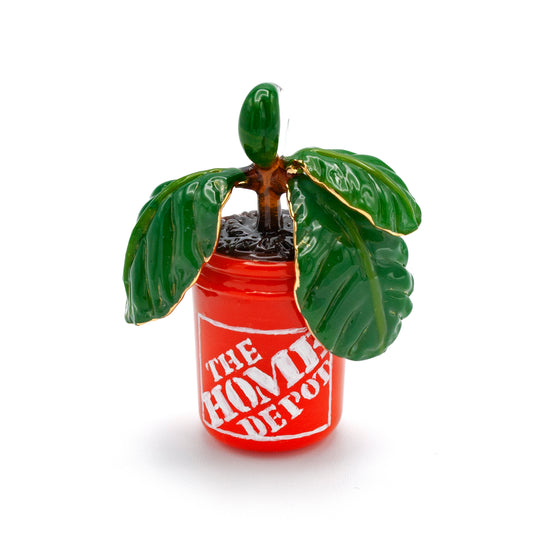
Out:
{"x": 102, "y": 101}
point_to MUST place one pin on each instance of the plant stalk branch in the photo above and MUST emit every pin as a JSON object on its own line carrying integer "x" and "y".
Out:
{"x": 269, "y": 184}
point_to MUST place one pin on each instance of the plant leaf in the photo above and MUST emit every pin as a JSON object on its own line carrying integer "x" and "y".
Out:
{"x": 175, "y": 234}
{"x": 259, "y": 122}
{"x": 352, "y": 286}
{"x": 366, "y": 184}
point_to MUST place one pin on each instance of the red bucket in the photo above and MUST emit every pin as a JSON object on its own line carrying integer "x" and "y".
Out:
{"x": 265, "y": 383}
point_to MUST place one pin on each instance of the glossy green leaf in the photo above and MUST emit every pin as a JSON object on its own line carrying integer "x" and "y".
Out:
{"x": 176, "y": 232}
{"x": 352, "y": 286}
{"x": 259, "y": 124}
{"x": 364, "y": 183}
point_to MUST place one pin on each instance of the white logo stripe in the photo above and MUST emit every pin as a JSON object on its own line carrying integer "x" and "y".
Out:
{"x": 271, "y": 438}
{"x": 251, "y": 330}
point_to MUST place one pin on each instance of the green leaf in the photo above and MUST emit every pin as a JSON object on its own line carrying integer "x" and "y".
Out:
{"x": 176, "y": 233}
{"x": 352, "y": 286}
{"x": 259, "y": 124}
{"x": 366, "y": 184}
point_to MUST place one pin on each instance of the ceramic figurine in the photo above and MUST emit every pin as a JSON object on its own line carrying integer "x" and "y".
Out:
{"x": 286, "y": 298}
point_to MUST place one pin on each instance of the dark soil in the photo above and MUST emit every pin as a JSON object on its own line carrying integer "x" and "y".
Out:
{"x": 239, "y": 238}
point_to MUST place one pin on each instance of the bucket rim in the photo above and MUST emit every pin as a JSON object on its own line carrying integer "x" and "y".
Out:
{"x": 250, "y": 268}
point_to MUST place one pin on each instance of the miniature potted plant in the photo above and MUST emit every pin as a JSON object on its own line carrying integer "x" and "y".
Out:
{"x": 286, "y": 297}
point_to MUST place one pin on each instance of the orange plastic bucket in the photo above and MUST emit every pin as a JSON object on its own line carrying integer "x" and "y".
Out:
{"x": 264, "y": 382}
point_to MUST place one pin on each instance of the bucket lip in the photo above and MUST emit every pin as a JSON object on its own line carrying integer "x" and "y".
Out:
{"x": 238, "y": 266}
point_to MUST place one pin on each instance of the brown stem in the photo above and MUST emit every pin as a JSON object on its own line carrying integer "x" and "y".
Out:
{"x": 269, "y": 210}
{"x": 269, "y": 184}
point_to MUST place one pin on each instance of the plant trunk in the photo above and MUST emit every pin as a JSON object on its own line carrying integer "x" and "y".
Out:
{"x": 269, "y": 212}
{"x": 269, "y": 184}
